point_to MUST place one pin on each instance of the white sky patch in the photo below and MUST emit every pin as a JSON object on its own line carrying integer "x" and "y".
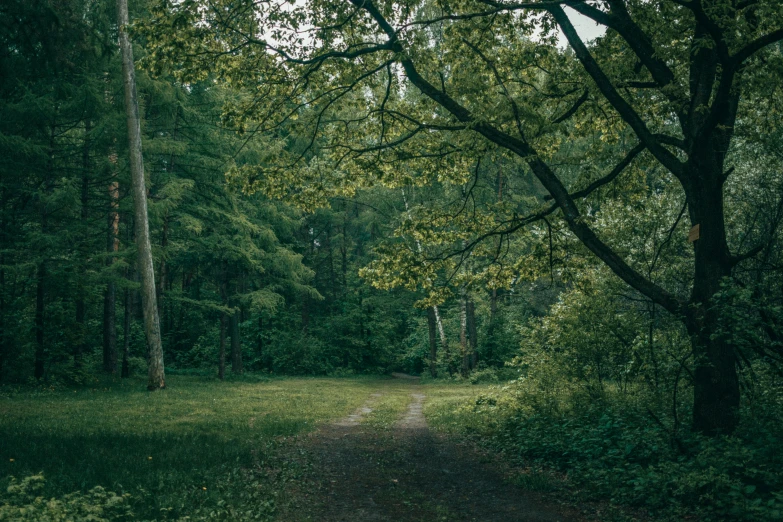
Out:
{"x": 585, "y": 27}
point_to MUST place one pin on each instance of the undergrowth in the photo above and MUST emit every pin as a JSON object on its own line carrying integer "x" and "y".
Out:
{"x": 616, "y": 448}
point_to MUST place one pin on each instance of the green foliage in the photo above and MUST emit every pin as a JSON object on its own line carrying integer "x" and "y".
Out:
{"x": 23, "y": 502}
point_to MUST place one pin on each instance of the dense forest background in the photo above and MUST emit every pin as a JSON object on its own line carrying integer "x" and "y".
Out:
{"x": 278, "y": 286}
{"x": 447, "y": 257}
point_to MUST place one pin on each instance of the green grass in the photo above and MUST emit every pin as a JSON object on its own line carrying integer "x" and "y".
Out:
{"x": 389, "y": 407}
{"x": 165, "y": 448}
{"x": 202, "y": 448}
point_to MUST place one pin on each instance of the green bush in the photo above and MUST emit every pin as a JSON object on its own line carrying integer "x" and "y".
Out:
{"x": 23, "y": 502}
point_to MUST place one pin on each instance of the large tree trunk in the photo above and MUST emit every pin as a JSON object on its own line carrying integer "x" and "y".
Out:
{"x": 431, "y": 327}
{"x": 156, "y": 374}
{"x": 716, "y": 393}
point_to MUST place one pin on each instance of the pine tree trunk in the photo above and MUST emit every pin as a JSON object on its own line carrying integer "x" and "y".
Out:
{"x": 223, "y": 287}
{"x": 110, "y": 294}
{"x": 40, "y": 348}
{"x": 431, "y": 327}
{"x": 222, "y": 359}
{"x": 463, "y": 333}
{"x": 260, "y": 339}
{"x": 472, "y": 334}
{"x": 236, "y": 344}
{"x": 126, "y": 323}
{"x": 156, "y": 373}
{"x": 163, "y": 279}
{"x": 80, "y": 345}
{"x": 3, "y": 240}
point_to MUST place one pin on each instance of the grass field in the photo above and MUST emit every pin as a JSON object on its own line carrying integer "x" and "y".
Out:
{"x": 202, "y": 448}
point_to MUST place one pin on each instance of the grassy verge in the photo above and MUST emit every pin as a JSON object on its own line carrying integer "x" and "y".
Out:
{"x": 201, "y": 448}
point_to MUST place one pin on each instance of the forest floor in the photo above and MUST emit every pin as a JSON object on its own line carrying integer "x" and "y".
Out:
{"x": 384, "y": 463}
{"x": 262, "y": 448}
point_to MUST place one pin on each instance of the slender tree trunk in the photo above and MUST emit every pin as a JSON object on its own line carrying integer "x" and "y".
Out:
{"x": 129, "y": 312}
{"x": 126, "y": 323}
{"x": 431, "y": 327}
{"x": 222, "y": 357}
{"x": 236, "y": 344}
{"x": 3, "y": 232}
{"x": 223, "y": 320}
{"x": 261, "y": 339}
{"x": 156, "y": 374}
{"x": 40, "y": 287}
{"x": 305, "y": 313}
{"x": 80, "y": 345}
{"x": 472, "y": 333}
{"x": 438, "y": 321}
{"x": 463, "y": 332}
{"x": 110, "y": 294}
{"x": 163, "y": 277}
{"x": 40, "y": 348}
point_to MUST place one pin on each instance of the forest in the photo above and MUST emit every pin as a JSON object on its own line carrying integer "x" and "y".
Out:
{"x": 249, "y": 248}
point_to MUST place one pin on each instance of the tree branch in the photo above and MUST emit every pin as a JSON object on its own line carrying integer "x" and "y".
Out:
{"x": 541, "y": 170}
{"x": 756, "y": 45}
{"x": 575, "y": 107}
{"x": 627, "y": 113}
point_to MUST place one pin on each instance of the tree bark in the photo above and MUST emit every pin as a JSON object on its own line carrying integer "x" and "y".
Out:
{"x": 126, "y": 323}
{"x": 223, "y": 288}
{"x": 40, "y": 347}
{"x": 472, "y": 334}
{"x": 222, "y": 356}
{"x": 261, "y": 339}
{"x": 3, "y": 238}
{"x": 716, "y": 391}
{"x": 236, "y": 344}
{"x": 431, "y": 327}
{"x": 156, "y": 372}
{"x": 463, "y": 333}
{"x": 80, "y": 345}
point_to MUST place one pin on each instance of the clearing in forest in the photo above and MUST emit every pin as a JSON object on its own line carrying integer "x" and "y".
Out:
{"x": 286, "y": 449}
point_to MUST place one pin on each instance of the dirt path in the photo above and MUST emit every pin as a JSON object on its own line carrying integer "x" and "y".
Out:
{"x": 405, "y": 474}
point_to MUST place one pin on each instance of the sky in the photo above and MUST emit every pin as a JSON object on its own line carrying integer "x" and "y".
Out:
{"x": 585, "y": 28}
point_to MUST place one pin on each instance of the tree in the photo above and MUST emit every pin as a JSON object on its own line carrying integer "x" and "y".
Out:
{"x": 675, "y": 80}
{"x": 149, "y": 302}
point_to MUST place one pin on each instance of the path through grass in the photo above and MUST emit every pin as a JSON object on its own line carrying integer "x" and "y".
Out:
{"x": 202, "y": 448}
